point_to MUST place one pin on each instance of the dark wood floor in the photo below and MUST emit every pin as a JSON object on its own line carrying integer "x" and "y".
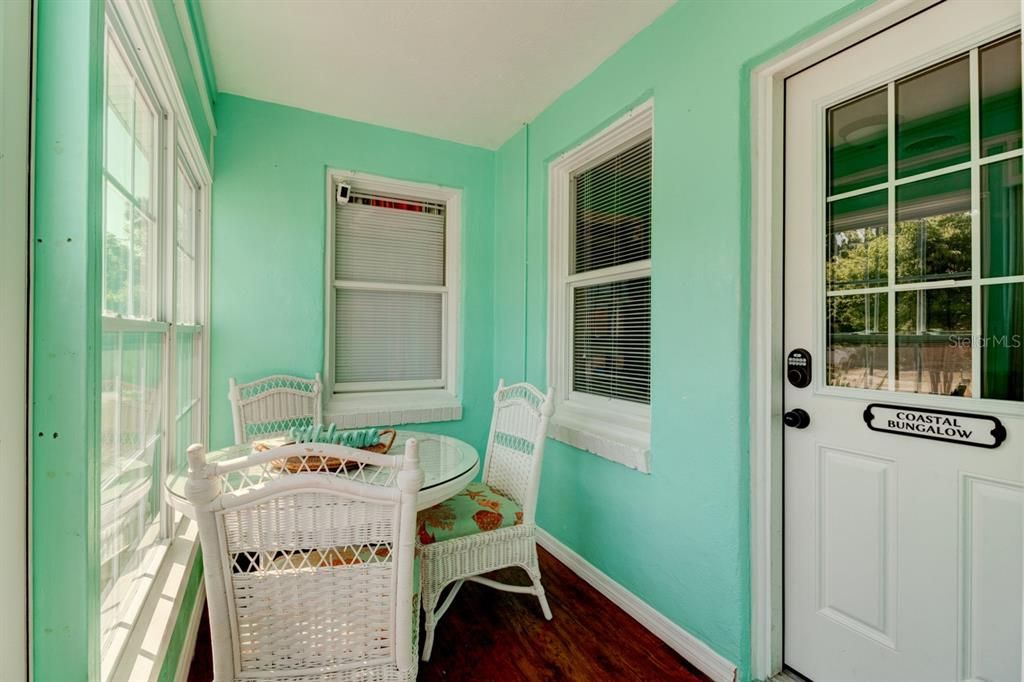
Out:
{"x": 491, "y": 635}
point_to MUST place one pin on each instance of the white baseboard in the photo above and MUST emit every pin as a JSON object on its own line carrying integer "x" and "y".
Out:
{"x": 188, "y": 647}
{"x": 689, "y": 647}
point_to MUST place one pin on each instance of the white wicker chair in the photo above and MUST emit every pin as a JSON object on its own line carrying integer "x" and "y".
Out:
{"x": 271, "y": 406}
{"x": 515, "y": 450}
{"x": 309, "y": 572}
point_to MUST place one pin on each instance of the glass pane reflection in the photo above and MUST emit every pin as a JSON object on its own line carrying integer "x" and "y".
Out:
{"x": 858, "y": 244}
{"x": 1000, "y": 97}
{"x": 858, "y": 138}
{"x": 933, "y": 341}
{"x": 933, "y": 229}
{"x": 933, "y": 119}
{"x": 1002, "y": 343}
{"x": 858, "y": 341}
{"x": 1002, "y": 232}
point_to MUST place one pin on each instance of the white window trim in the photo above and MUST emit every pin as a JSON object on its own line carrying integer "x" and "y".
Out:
{"x": 395, "y": 406}
{"x": 161, "y": 580}
{"x": 617, "y": 430}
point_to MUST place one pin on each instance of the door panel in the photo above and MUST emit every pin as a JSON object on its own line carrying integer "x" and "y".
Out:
{"x": 991, "y": 570}
{"x": 904, "y": 276}
{"x": 857, "y": 504}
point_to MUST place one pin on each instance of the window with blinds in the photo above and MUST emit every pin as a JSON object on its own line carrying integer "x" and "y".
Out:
{"x": 609, "y": 275}
{"x": 390, "y": 293}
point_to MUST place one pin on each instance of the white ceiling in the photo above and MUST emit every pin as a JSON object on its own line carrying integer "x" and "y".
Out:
{"x": 466, "y": 70}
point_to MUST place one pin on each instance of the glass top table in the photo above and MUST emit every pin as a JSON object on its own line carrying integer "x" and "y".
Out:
{"x": 449, "y": 464}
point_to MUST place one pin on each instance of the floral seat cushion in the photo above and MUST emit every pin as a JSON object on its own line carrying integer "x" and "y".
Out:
{"x": 476, "y": 509}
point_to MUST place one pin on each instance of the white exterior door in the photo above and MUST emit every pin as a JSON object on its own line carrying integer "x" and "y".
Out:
{"x": 904, "y": 284}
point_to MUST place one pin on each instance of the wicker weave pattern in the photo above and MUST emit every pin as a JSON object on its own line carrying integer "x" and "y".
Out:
{"x": 310, "y": 574}
{"x": 515, "y": 451}
{"x": 510, "y": 453}
{"x": 475, "y": 554}
{"x": 314, "y": 459}
{"x": 273, "y": 405}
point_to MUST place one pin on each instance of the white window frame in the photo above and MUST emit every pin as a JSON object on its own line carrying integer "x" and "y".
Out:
{"x": 136, "y": 30}
{"x": 356, "y": 405}
{"x": 617, "y": 430}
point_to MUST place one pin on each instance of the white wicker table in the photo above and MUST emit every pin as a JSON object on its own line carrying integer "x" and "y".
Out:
{"x": 449, "y": 464}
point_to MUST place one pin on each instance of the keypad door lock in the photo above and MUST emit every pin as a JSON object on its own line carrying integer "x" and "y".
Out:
{"x": 798, "y": 368}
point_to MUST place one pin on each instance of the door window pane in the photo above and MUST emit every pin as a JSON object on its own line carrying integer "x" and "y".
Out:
{"x": 933, "y": 341}
{"x": 1002, "y": 232}
{"x": 1000, "y": 96}
{"x": 933, "y": 118}
{"x": 1002, "y": 342}
{"x": 858, "y": 342}
{"x": 933, "y": 229}
{"x": 858, "y": 137}
{"x": 858, "y": 245}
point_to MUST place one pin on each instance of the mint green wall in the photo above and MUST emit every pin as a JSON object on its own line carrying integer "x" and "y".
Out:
{"x": 688, "y": 520}
{"x": 509, "y": 256}
{"x": 66, "y": 340}
{"x": 269, "y": 223}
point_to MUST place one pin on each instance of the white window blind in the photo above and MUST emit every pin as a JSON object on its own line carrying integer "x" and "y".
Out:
{"x": 390, "y": 293}
{"x": 612, "y": 211}
{"x": 612, "y": 340}
{"x": 611, "y": 300}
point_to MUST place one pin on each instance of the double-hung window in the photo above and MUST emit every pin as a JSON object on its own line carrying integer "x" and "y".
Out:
{"x": 392, "y": 271}
{"x": 599, "y": 349}
{"x": 153, "y": 281}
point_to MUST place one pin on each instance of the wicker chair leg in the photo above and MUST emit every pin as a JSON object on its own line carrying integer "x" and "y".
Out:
{"x": 428, "y": 639}
{"x": 429, "y": 623}
{"x": 433, "y": 616}
{"x": 534, "y": 572}
{"x": 542, "y": 598}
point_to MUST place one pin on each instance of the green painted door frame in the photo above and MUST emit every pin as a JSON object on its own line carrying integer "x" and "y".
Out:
{"x": 65, "y": 368}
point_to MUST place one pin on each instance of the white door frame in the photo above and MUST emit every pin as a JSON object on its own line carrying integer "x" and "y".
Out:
{"x": 766, "y": 349}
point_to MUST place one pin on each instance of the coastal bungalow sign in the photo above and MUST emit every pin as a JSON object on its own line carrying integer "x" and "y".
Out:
{"x": 952, "y": 427}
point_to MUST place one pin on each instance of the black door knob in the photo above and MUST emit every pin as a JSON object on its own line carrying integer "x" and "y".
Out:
{"x": 797, "y": 418}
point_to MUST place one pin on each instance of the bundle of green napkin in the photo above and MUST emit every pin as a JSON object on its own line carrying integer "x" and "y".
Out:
{"x": 354, "y": 438}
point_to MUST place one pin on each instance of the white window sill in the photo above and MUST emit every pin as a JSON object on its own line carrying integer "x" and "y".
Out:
{"x": 388, "y": 408}
{"x": 143, "y": 655}
{"x": 606, "y": 433}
